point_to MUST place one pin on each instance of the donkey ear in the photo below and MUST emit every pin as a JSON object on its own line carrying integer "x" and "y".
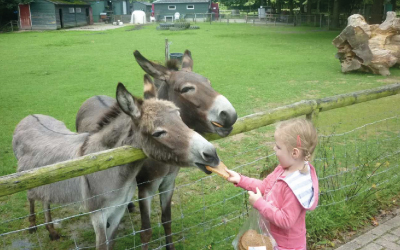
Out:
{"x": 149, "y": 88}
{"x": 127, "y": 102}
{"x": 187, "y": 61}
{"x": 155, "y": 70}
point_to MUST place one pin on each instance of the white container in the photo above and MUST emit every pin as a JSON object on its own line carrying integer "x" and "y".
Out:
{"x": 261, "y": 12}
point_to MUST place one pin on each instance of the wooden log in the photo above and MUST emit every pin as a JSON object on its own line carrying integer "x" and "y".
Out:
{"x": 371, "y": 48}
{"x": 24, "y": 180}
{"x": 344, "y": 100}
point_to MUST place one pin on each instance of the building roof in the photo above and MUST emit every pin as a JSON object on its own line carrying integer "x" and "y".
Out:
{"x": 181, "y": 1}
{"x": 145, "y": 3}
{"x": 71, "y": 2}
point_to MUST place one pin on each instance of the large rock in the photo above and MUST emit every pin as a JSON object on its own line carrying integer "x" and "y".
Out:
{"x": 370, "y": 48}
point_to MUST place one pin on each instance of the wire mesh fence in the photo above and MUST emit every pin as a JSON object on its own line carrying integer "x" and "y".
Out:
{"x": 316, "y": 20}
{"x": 355, "y": 158}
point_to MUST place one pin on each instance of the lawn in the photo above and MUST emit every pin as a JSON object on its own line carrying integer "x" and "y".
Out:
{"x": 255, "y": 67}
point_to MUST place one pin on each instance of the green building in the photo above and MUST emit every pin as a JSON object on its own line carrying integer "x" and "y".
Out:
{"x": 109, "y": 8}
{"x": 145, "y": 6}
{"x": 53, "y": 14}
{"x": 170, "y": 10}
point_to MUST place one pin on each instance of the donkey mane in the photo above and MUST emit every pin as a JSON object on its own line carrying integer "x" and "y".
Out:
{"x": 173, "y": 64}
{"x": 112, "y": 113}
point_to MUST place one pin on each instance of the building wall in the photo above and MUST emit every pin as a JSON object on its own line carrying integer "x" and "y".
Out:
{"x": 43, "y": 15}
{"x": 141, "y": 6}
{"x": 161, "y": 10}
{"x": 97, "y": 8}
{"x": 71, "y": 19}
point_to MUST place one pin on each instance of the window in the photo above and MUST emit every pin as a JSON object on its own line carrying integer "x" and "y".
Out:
{"x": 190, "y": 7}
{"x": 71, "y": 10}
{"x": 171, "y": 7}
{"x": 78, "y": 10}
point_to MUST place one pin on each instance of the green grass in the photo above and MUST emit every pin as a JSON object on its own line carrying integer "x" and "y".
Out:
{"x": 255, "y": 67}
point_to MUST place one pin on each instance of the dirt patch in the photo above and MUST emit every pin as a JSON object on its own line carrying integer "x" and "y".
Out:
{"x": 390, "y": 80}
{"x": 237, "y": 137}
{"x": 136, "y": 27}
{"x": 98, "y": 27}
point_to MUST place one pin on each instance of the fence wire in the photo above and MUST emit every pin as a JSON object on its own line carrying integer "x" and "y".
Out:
{"x": 207, "y": 211}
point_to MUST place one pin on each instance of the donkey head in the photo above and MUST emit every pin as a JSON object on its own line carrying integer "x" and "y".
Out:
{"x": 160, "y": 132}
{"x": 201, "y": 107}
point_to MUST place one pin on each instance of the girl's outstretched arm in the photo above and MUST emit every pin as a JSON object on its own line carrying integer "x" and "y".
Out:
{"x": 245, "y": 182}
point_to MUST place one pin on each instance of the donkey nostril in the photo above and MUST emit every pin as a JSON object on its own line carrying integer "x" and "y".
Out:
{"x": 227, "y": 119}
{"x": 210, "y": 156}
{"x": 207, "y": 157}
{"x": 223, "y": 115}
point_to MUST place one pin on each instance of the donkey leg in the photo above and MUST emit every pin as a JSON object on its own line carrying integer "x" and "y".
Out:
{"x": 166, "y": 192}
{"x": 99, "y": 226}
{"x": 165, "y": 200}
{"x": 49, "y": 226}
{"x": 131, "y": 207}
{"x": 112, "y": 225}
{"x": 146, "y": 193}
{"x": 32, "y": 216}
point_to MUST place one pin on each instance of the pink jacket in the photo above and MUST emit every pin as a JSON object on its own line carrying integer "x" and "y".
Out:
{"x": 284, "y": 203}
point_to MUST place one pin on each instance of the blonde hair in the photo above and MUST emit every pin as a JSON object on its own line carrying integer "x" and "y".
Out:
{"x": 299, "y": 133}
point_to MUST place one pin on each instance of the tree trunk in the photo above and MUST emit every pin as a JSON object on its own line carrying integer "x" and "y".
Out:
{"x": 370, "y": 48}
{"x": 335, "y": 14}
{"x": 301, "y": 6}
{"x": 309, "y": 11}
{"x": 291, "y": 7}
{"x": 394, "y": 5}
{"x": 278, "y": 6}
{"x": 377, "y": 11}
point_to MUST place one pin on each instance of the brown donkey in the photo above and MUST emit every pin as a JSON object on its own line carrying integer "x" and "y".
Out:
{"x": 152, "y": 125}
{"x": 201, "y": 108}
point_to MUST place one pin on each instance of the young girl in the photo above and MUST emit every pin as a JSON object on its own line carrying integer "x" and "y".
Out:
{"x": 291, "y": 189}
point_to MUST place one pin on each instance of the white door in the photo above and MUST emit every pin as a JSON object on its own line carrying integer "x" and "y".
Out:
{"x": 124, "y": 7}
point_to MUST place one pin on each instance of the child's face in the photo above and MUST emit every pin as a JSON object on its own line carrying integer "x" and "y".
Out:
{"x": 285, "y": 158}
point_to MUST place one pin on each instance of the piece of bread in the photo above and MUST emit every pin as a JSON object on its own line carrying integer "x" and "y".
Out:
{"x": 253, "y": 239}
{"x": 220, "y": 170}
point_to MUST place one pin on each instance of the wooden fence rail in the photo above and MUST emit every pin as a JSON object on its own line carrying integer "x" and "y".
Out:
{"x": 20, "y": 181}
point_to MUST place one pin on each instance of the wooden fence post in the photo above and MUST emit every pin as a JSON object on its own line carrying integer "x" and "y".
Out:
{"x": 313, "y": 116}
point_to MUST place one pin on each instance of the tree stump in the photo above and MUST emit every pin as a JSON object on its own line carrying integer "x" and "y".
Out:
{"x": 369, "y": 48}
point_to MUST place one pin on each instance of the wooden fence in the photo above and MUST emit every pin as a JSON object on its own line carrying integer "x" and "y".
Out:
{"x": 20, "y": 181}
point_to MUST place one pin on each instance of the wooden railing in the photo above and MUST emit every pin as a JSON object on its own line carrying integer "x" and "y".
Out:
{"x": 20, "y": 181}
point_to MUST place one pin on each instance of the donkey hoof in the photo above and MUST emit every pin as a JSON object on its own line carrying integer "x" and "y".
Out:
{"x": 32, "y": 230}
{"x": 131, "y": 207}
{"x": 54, "y": 236}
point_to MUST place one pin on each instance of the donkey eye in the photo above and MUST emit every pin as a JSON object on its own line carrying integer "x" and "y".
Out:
{"x": 159, "y": 133}
{"x": 187, "y": 89}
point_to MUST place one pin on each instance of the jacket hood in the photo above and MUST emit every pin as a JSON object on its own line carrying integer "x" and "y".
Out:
{"x": 304, "y": 187}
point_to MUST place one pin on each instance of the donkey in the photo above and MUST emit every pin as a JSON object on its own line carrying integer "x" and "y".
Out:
{"x": 201, "y": 108}
{"x": 152, "y": 125}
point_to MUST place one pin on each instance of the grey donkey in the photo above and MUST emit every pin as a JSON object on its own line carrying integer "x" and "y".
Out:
{"x": 152, "y": 125}
{"x": 201, "y": 108}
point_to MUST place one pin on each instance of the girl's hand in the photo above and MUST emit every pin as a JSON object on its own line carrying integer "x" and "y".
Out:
{"x": 233, "y": 176}
{"x": 253, "y": 197}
